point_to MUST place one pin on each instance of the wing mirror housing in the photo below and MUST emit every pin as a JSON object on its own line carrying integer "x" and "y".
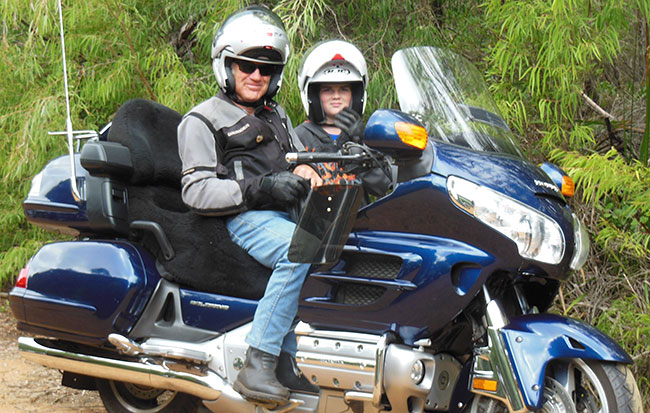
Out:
{"x": 396, "y": 134}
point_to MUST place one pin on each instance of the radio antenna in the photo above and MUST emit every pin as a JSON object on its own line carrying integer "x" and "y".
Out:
{"x": 68, "y": 121}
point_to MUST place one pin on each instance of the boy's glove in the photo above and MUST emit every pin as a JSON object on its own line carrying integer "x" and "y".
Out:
{"x": 351, "y": 126}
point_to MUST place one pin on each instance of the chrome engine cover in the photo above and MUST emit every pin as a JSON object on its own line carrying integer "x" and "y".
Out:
{"x": 363, "y": 367}
{"x": 415, "y": 379}
{"x": 338, "y": 360}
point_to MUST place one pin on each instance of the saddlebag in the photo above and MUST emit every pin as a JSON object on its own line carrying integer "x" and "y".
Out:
{"x": 84, "y": 290}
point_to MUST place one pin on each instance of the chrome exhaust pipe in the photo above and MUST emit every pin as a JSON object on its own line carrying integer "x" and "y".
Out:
{"x": 205, "y": 385}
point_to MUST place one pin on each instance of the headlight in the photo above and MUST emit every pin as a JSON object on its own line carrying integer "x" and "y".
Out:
{"x": 537, "y": 236}
{"x": 582, "y": 244}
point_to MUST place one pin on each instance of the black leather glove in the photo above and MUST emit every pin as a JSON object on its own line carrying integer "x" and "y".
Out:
{"x": 285, "y": 187}
{"x": 351, "y": 126}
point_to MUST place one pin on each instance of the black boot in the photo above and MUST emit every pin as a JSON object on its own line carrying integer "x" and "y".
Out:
{"x": 257, "y": 379}
{"x": 290, "y": 375}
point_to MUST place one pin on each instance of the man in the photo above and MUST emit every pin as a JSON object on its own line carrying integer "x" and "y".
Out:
{"x": 232, "y": 147}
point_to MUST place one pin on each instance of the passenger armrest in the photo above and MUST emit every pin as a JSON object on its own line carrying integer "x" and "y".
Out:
{"x": 107, "y": 159}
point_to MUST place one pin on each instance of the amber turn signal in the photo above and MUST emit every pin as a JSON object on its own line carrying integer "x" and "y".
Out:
{"x": 568, "y": 187}
{"x": 485, "y": 384}
{"x": 411, "y": 134}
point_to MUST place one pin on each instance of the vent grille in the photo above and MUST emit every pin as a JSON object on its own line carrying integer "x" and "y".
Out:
{"x": 384, "y": 267}
{"x": 358, "y": 294}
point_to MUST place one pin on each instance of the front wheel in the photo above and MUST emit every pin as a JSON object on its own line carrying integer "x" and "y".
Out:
{"x": 120, "y": 397}
{"x": 578, "y": 385}
{"x": 595, "y": 386}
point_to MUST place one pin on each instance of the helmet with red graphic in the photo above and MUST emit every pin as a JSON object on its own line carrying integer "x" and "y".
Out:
{"x": 332, "y": 61}
{"x": 255, "y": 34}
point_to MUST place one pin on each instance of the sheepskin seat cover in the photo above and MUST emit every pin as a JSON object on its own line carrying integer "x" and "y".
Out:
{"x": 205, "y": 257}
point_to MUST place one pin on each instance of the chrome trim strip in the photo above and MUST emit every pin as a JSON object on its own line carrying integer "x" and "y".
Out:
{"x": 358, "y": 396}
{"x": 378, "y": 388}
{"x": 304, "y": 329}
{"x": 332, "y": 361}
{"x": 499, "y": 359}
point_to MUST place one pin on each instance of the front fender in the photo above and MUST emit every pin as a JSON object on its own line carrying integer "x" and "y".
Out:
{"x": 534, "y": 340}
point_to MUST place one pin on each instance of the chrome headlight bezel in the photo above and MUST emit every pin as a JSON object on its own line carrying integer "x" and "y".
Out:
{"x": 537, "y": 236}
{"x": 581, "y": 244}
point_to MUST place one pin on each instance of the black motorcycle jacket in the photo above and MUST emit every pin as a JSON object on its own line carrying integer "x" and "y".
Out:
{"x": 225, "y": 153}
{"x": 315, "y": 138}
{"x": 375, "y": 181}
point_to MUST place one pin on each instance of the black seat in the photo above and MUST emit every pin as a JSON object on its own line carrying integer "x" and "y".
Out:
{"x": 205, "y": 257}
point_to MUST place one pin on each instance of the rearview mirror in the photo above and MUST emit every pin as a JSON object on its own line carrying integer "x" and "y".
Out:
{"x": 396, "y": 134}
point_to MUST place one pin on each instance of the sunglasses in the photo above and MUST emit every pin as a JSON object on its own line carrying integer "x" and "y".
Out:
{"x": 250, "y": 67}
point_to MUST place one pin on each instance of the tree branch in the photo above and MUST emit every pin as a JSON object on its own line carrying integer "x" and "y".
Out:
{"x": 597, "y": 108}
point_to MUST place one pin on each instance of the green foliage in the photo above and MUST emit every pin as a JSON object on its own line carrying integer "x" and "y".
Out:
{"x": 378, "y": 28}
{"x": 616, "y": 194}
{"x": 619, "y": 192}
{"x": 622, "y": 320}
{"x": 546, "y": 53}
{"x": 644, "y": 12}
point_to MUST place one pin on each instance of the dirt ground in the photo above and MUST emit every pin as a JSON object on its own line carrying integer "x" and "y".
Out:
{"x": 29, "y": 387}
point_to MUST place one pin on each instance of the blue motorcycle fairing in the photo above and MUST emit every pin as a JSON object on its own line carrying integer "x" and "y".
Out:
{"x": 435, "y": 280}
{"x": 498, "y": 171}
{"x": 534, "y": 340}
{"x": 215, "y": 312}
{"x": 462, "y": 395}
{"x": 422, "y": 205}
{"x": 85, "y": 290}
{"x": 554, "y": 172}
{"x": 518, "y": 179}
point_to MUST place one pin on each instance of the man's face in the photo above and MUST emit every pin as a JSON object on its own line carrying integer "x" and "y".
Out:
{"x": 249, "y": 87}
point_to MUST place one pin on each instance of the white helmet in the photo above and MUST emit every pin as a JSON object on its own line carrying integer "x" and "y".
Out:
{"x": 332, "y": 61}
{"x": 255, "y": 34}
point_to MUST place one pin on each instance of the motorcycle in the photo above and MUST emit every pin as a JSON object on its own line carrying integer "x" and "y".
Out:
{"x": 430, "y": 298}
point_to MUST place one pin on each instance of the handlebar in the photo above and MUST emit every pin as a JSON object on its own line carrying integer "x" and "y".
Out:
{"x": 309, "y": 157}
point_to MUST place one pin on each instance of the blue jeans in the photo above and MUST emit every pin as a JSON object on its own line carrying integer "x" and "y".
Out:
{"x": 266, "y": 236}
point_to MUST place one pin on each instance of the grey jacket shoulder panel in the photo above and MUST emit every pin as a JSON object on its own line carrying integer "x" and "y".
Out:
{"x": 203, "y": 190}
{"x": 220, "y": 113}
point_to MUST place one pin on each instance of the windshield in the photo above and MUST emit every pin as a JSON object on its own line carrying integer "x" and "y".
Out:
{"x": 445, "y": 92}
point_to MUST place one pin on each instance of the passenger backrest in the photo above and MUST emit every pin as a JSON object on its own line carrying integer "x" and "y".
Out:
{"x": 148, "y": 129}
